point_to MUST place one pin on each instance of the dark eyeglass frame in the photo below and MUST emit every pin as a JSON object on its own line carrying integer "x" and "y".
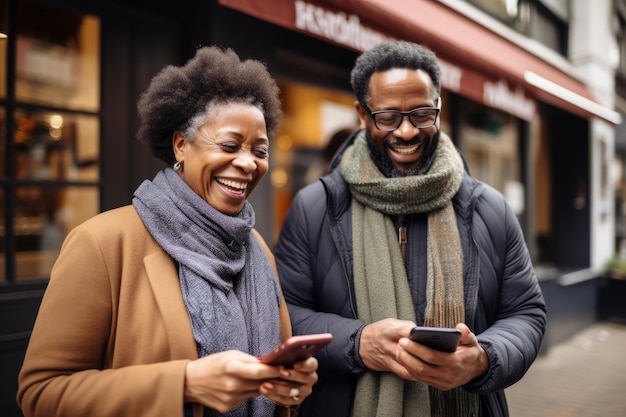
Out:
{"x": 402, "y": 114}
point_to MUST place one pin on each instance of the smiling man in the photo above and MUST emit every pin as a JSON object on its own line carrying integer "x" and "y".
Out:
{"x": 398, "y": 234}
{"x": 398, "y": 148}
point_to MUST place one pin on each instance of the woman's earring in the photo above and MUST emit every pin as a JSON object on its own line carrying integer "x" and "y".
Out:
{"x": 177, "y": 166}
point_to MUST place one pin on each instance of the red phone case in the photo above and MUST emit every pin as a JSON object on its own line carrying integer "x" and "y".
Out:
{"x": 297, "y": 348}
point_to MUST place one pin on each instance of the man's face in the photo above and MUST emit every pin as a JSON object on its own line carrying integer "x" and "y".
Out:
{"x": 407, "y": 149}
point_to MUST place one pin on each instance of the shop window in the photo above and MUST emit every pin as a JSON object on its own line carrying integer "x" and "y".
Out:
{"x": 57, "y": 57}
{"x": 544, "y": 20}
{"x": 49, "y": 134}
{"x": 51, "y": 145}
{"x": 4, "y": 33}
{"x": 505, "y": 10}
{"x": 3, "y": 143}
{"x": 315, "y": 121}
{"x": 491, "y": 146}
{"x": 42, "y": 218}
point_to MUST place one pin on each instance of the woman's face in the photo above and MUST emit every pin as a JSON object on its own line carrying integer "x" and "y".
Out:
{"x": 228, "y": 157}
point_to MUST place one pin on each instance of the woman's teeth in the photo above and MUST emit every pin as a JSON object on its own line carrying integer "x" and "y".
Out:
{"x": 233, "y": 184}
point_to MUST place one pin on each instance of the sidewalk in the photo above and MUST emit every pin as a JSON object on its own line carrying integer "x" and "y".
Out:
{"x": 583, "y": 377}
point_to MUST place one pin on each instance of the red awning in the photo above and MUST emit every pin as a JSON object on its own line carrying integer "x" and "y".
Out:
{"x": 456, "y": 39}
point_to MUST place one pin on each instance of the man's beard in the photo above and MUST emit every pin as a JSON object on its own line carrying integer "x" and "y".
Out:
{"x": 389, "y": 170}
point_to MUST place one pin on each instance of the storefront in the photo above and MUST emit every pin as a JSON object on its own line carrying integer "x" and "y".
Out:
{"x": 500, "y": 104}
{"x": 70, "y": 75}
{"x": 527, "y": 127}
{"x": 523, "y": 120}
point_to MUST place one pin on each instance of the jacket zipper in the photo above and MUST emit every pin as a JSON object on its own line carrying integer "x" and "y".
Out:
{"x": 402, "y": 236}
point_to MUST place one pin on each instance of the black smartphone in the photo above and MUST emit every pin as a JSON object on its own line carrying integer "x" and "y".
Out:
{"x": 438, "y": 338}
{"x": 297, "y": 348}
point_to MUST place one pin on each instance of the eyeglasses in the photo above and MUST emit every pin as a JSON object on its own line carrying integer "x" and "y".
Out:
{"x": 390, "y": 120}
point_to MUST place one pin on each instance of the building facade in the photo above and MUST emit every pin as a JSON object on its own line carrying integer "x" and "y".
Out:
{"x": 528, "y": 98}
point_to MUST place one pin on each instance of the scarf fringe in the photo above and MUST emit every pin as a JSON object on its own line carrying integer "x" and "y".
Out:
{"x": 453, "y": 403}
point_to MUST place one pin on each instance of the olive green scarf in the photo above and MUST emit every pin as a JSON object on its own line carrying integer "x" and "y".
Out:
{"x": 380, "y": 280}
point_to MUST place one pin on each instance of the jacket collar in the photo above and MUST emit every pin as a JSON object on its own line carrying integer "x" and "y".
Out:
{"x": 163, "y": 277}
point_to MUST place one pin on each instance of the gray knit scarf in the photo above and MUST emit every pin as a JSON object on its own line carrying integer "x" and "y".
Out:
{"x": 380, "y": 280}
{"x": 228, "y": 285}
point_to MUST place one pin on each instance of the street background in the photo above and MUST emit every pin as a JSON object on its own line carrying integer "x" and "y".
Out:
{"x": 583, "y": 377}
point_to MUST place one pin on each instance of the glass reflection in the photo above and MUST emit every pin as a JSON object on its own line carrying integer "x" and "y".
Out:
{"x": 4, "y": 30}
{"x": 3, "y": 142}
{"x": 57, "y": 57}
{"x": 3, "y": 237}
{"x": 43, "y": 217}
{"x": 54, "y": 137}
{"x": 56, "y": 146}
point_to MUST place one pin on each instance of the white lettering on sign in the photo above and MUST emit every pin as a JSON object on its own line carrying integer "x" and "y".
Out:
{"x": 515, "y": 102}
{"x": 338, "y": 27}
{"x": 451, "y": 76}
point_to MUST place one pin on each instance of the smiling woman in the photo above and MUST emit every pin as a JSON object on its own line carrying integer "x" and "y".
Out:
{"x": 223, "y": 171}
{"x": 180, "y": 277}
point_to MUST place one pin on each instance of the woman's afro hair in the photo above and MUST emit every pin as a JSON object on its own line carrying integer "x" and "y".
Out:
{"x": 213, "y": 75}
{"x": 392, "y": 54}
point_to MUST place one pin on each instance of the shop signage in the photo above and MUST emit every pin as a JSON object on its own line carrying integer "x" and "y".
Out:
{"x": 493, "y": 93}
{"x": 346, "y": 29}
{"x": 339, "y": 27}
{"x": 483, "y": 73}
{"x": 451, "y": 76}
{"x": 499, "y": 96}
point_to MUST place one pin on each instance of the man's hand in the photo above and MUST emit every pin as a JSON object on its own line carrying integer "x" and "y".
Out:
{"x": 443, "y": 370}
{"x": 379, "y": 347}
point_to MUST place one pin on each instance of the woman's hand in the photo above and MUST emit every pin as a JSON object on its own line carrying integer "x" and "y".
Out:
{"x": 224, "y": 380}
{"x": 294, "y": 385}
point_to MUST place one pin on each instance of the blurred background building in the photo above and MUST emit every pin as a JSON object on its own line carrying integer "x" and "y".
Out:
{"x": 533, "y": 95}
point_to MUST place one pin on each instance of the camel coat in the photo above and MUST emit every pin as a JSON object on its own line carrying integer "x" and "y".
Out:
{"x": 112, "y": 337}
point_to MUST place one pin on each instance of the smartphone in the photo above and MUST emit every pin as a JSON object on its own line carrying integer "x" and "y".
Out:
{"x": 297, "y": 348}
{"x": 438, "y": 338}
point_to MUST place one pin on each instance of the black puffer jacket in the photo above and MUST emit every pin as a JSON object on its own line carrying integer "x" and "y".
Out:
{"x": 504, "y": 304}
